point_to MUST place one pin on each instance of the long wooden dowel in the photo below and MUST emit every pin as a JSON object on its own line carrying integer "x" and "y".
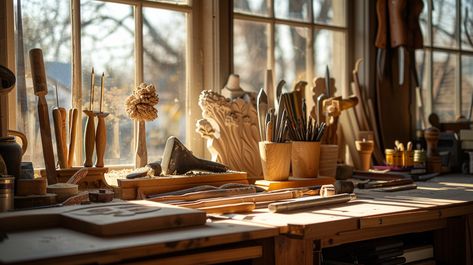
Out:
{"x": 240, "y": 199}
{"x": 230, "y": 208}
{"x": 307, "y": 202}
{"x": 73, "y": 117}
{"x": 60, "y": 144}
{"x": 100, "y": 139}
{"x": 41, "y": 89}
{"x": 198, "y": 195}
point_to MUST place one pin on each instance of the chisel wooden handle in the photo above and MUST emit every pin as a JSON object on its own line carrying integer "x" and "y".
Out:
{"x": 381, "y": 36}
{"x": 397, "y": 25}
{"x": 415, "y": 40}
{"x": 89, "y": 138}
{"x": 73, "y": 116}
{"x": 100, "y": 139}
{"x": 41, "y": 89}
{"x": 60, "y": 145}
{"x": 64, "y": 130}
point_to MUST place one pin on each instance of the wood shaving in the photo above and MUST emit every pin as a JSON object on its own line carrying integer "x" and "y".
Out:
{"x": 140, "y": 105}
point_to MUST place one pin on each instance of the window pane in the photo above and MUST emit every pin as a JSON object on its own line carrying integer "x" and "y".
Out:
{"x": 329, "y": 50}
{"x": 467, "y": 84}
{"x": 108, "y": 46}
{"x": 295, "y": 9}
{"x": 330, "y": 12}
{"x": 250, "y": 53}
{"x": 255, "y": 7}
{"x": 467, "y": 24}
{"x": 164, "y": 47}
{"x": 290, "y": 54}
{"x": 444, "y": 23}
{"x": 44, "y": 25}
{"x": 443, "y": 87}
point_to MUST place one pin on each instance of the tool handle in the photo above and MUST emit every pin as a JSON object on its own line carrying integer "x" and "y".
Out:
{"x": 269, "y": 131}
{"x": 381, "y": 36}
{"x": 414, "y": 38}
{"x": 198, "y": 195}
{"x": 40, "y": 85}
{"x": 58, "y": 130}
{"x": 63, "y": 125}
{"x": 89, "y": 138}
{"x": 397, "y": 25}
{"x": 46, "y": 140}
{"x": 141, "y": 156}
{"x": 230, "y": 208}
{"x": 100, "y": 141}
{"x": 73, "y": 116}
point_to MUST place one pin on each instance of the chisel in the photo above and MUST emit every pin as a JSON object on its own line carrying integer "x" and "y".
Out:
{"x": 41, "y": 90}
{"x": 59, "y": 119}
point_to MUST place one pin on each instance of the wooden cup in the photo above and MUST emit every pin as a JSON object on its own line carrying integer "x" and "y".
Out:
{"x": 328, "y": 160}
{"x": 305, "y": 159}
{"x": 275, "y": 159}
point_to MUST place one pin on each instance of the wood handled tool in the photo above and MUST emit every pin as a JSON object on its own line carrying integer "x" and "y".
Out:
{"x": 262, "y": 108}
{"x": 381, "y": 37}
{"x": 41, "y": 89}
{"x": 73, "y": 117}
{"x": 59, "y": 119}
{"x": 89, "y": 135}
{"x": 308, "y": 202}
{"x": 205, "y": 194}
{"x": 397, "y": 23}
{"x": 101, "y": 134}
{"x": 230, "y": 208}
{"x": 389, "y": 183}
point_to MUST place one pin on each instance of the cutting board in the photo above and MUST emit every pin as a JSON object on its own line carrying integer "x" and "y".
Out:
{"x": 108, "y": 219}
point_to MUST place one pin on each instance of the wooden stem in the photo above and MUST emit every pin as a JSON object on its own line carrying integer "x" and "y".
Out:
{"x": 141, "y": 158}
{"x": 89, "y": 138}
{"x": 73, "y": 116}
{"x": 101, "y": 139}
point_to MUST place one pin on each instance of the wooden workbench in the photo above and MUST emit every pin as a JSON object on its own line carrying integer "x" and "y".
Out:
{"x": 214, "y": 242}
{"x": 443, "y": 205}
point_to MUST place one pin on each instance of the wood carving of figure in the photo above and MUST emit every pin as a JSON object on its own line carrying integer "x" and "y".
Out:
{"x": 230, "y": 126}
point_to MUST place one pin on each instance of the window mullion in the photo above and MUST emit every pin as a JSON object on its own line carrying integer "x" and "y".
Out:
{"x": 271, "y": 39}
{"x": 458, "y": 72}
{"x": 429, "y": 104}
{"x": 138, "y": 12}
{"x": 76, "y": 86}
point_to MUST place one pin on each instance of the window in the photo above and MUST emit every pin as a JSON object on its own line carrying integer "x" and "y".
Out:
{"x": 297, "y": 39}
{"x": 445, "y": 65}
{"x": 130, "y": 41}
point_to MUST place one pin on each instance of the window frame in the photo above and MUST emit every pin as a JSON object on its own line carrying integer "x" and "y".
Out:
{"x": 458, "y": 51}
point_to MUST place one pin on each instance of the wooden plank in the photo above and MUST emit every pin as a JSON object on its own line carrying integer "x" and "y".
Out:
{"x": 87, "y": 249}
{"x": 211, "y": 257}
{"x": 377, "y": 232}
{"x": 294, "y": 183}
{"x": 106, "y": 219}
{"x": 177, "y": 180}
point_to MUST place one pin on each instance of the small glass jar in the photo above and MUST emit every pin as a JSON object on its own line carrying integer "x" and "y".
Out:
{"x": 389, "y": 157}
{"x": 419, "y": 159}
{"x": 408, "y": 158}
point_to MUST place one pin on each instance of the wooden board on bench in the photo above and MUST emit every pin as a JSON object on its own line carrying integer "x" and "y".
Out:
{"x": 131, "y": 189}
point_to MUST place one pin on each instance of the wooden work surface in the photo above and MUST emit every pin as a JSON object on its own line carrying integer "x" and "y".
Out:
{"x": 64, "y": 246}
{"x": 433, "y": 200}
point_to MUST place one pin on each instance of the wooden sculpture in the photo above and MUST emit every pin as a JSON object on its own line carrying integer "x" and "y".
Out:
{"x": 140, "y": 107}
{"x": 231, "y": 129}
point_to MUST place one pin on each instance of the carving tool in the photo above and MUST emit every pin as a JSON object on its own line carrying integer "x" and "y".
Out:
{"x": 307, "y": 202}
{"x": 198, "y": 195}
{"x": 101, "y": 135}
{"x": 397, "y": 9}
{"x": 327, "y": 81}
{"x": 59, "y": 119}
{"x": 89, "y": 136}
{"x": 41, "y": 89}
{"x": 381, "y": 37}
{"x": 73, "y": 117}
{"x": 262, "y": 108}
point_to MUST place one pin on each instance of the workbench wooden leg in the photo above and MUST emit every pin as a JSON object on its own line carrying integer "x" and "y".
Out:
{"x": 453, "y": 245}
{"x": 293, "y": 251}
